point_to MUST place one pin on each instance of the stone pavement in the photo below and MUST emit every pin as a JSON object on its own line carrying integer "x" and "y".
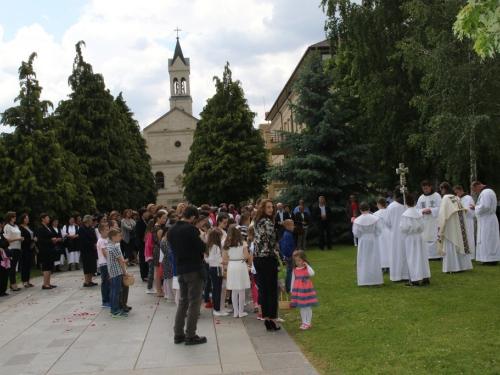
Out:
{"x": 65, "y": 331}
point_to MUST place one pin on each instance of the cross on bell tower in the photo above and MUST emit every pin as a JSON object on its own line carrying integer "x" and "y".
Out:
{"x": 177, "y": 31}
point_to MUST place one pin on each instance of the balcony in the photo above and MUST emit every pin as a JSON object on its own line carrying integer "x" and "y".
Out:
{"x": 275, "y": 139}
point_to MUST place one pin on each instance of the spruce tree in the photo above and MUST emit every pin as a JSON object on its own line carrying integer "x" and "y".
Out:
{"x": 228, "y": 156}
{"x": 38, "y": 174}
{"x": 143, "y": 189}
{"x": 326, "y": 157}
{"x": 96, "y": 130}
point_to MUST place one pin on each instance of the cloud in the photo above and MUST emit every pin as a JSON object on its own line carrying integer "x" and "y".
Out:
{"x": 130, "y": 44}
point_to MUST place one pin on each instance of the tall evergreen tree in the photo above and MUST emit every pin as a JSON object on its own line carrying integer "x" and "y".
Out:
{"x": 326, "y": 157}
{"x": 228, "y": 156}
{"x": 38, "y": 174}
{"x": 97, "y": 131}
{"x": 143, "y": 189}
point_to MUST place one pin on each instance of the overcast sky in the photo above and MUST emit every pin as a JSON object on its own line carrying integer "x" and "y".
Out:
{"x": 130, "y": 42}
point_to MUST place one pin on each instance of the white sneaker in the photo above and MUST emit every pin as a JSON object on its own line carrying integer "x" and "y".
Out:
{"x": 228, "y": 310}
{"x": 151, "y": 291}
{"x": 243, "y": 315}
{"x": 235, "y": 315}
{"x": 280, "y": 320}
{"x": 220, "y": 313}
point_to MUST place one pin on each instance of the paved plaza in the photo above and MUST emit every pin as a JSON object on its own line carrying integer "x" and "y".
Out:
{"x": 65, "y": 331}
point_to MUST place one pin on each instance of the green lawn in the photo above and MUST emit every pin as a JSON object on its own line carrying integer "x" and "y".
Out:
{"x": 449, "y": 327}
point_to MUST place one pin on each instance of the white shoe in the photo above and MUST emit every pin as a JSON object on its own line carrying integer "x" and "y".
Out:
{"x": 235, "y": 315}
{"x": 170, "y": 300}
{"x": 243, "y": 315}
{"x": 228, "y": 310}
{"x": 151, "y": 291}
{"x": 220, "y": 313}
{"x": 280, "y": 320}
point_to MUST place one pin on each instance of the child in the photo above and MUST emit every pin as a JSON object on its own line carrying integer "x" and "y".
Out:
{"x": 117, "y": 270}
{"x": 244, "y": 223}
{"x": 103, "y": 263}
{"x": 367, "y": 228}
{"x": 124, "y": 292}
{"x": 167, "y": 274}
{"x": 213, "y": 256}
{"x": 355, "y": 215}
{"x": 384, "y": 239}
{"x": 148, "y": 255}
{"x": 287, "y": 247}
{"x": 412, "y": 224}
{"x": 303, "y": 294}
{"x": 253, "y": 272}
{"x": 236, "y": 252}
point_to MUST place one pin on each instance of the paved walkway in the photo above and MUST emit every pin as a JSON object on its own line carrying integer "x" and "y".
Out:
{"x": 65, "y": 331}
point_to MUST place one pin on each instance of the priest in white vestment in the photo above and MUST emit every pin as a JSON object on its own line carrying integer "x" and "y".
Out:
{"x": 467, "y": 201}
{"x": 488, "y": 239}
{"x": 428, "y": 205}
{"x": 384, "y": 239}
{"x": 399, "y": 264}
{"x": 367, "y": 228}
{"x": 453, "y": 233}
{"x": 412, "y": 225}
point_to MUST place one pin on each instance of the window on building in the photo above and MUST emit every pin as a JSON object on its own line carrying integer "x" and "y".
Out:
{"x": 325, "y": 56}
{"x": 177, "y": 144}
{"x": 183, "y": 86}
{"x": 160, "y": 180}
{"x": 176, "y": 86}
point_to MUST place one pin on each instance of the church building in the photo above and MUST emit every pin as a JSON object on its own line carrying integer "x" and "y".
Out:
{"x": 170, "y": 137}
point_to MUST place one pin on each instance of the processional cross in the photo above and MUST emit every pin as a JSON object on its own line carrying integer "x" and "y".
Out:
{"x": 401, "y": 171}
{"x": 177, "y": 31}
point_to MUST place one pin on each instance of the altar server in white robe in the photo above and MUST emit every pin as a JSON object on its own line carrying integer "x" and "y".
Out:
{"x": 428, "y": 205}
{"x": 384, "y": 239}
{"x": 467, "y": 201}
{"x": 488, "y": 241}
{"x": 367, "y": 228}
{"x": 412, "y": 225}
{"x": 399, "y": 264}
{"x": 453, "y": 238}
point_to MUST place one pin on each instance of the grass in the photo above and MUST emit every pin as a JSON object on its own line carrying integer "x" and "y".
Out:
{"x": 449, "y": 327}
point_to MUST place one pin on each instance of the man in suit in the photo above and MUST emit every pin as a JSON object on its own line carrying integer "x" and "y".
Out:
{"x": 323, "y": 215}
{"x": 281, "y": 216}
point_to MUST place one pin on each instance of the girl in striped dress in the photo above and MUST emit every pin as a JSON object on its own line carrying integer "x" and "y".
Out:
{"x": 303, "y": 294}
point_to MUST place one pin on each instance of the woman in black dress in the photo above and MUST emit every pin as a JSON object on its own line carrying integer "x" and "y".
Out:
{"x": 46, "y": 242}
{"x": 58, "y": 254}
{"x": 28, "y": 250}
{"x": 88, "y": 249}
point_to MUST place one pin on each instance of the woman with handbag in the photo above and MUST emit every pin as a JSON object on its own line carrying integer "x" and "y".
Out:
{"x": 13, "y": 234}
{"x": 5, "y": 257}
{"x": 28, "y": 249}
{"x": 72, "y": 243}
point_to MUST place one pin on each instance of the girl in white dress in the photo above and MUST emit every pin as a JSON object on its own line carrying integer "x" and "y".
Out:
{"x": 236, "y": 252}
{"x": 384, "y": 239}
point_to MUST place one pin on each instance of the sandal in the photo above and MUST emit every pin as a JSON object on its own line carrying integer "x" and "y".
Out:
{"x": 30, "y": 285}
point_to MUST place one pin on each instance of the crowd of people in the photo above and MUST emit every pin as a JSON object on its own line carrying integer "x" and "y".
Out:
{"x": 403, "y": 236}
{"x": 185, "y": 254}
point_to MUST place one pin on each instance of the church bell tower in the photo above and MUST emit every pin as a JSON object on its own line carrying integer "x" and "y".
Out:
{"x": 180, "y": 86}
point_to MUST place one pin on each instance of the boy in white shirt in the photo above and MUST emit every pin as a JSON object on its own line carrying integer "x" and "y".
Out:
{"x": 102, "y": 242}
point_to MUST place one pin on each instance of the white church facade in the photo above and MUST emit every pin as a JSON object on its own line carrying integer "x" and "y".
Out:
{"x": 170, "y": 137}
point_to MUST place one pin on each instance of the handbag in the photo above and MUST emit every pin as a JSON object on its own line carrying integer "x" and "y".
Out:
{"x": 284, "y": 303}
{"x": 129, "y": 281}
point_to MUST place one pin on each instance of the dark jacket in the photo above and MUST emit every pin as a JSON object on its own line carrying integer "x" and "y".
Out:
{"x": 287, "y": 245}
{"x": 277, "y": 219}
{"x": 298, "y": 219}
{"x": 44, "y": 236}
{"x": 26, "y": 243}
{"x": 317, "y": 213}
{"x": 187, "y": 247}
{"x": 88, "y": 239}
{"x": 140, "y": 229}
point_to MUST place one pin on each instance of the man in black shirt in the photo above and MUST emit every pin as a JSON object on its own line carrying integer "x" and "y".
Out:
{"x": 188, "y": 248}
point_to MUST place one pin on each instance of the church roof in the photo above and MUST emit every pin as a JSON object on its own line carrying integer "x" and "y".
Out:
{"x": 168, "y": 113}
{"x": 178, "y": 53}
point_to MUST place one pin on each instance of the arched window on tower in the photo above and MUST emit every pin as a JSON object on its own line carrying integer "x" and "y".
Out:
{"x": 176, "y": 86}
{"x": 160, "y": 180}
{"x": 183, "y": 86}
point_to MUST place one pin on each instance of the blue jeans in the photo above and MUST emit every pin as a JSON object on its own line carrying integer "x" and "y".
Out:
{"x": 103, "y": 269}
{"x": 116, "y": 287}
{"x": 289, "y": 273}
